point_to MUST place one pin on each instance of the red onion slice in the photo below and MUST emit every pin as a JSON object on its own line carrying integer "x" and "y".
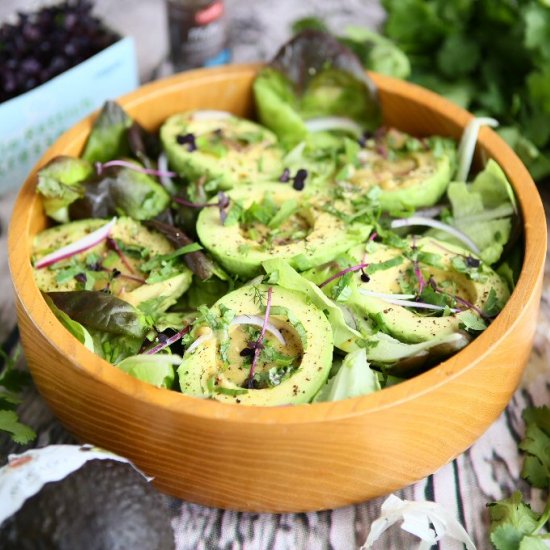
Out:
{"x": 417, "y": 220}
{"x": 89, "y": 241}
{"x": 258, "y": 321}
{"x": 323, "y": 124}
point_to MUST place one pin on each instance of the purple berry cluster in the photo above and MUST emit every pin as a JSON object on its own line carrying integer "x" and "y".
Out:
{"x": 47, "y": 42}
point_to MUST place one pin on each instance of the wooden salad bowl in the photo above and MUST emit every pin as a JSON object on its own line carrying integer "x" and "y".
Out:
{"x": 295, "y": 458}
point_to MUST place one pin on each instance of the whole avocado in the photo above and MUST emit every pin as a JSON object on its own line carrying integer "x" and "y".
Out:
{"x": 104, "y": 505}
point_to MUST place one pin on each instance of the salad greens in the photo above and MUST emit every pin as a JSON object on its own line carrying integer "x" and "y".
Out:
{"x": 491, "y": 58}
{"x": 12, "y": 383}
{"x": 328, "y": 258}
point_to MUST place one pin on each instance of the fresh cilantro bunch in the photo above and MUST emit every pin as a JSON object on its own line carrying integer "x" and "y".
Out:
{"x": 514, "y": 525}
{"x": 12, "y": 383}
{"x": 493, "y": 58}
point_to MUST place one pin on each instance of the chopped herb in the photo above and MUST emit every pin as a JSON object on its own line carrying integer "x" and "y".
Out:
{"x": 383, "y": 266}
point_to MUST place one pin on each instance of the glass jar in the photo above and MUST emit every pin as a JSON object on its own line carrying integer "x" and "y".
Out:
{"x": 197, "y": 33}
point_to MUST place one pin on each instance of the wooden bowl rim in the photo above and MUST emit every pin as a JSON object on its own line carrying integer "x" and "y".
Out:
{"x": 173, "y": 402}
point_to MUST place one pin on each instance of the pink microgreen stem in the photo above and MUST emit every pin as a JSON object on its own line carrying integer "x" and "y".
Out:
{"x": 342, "y": 273}
{"x": 463, "y": 301}
{"x": 169, "y": 341}
{"x": 195, "y": 204}
{"x": 126, "y": 164}
{"x": 133, "y": 278}
{"x": 111, "y": 243}
{"x": 258, "y": 344}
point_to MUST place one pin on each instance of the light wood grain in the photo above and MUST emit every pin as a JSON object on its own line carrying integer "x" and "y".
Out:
{"x": 296, "y": 458}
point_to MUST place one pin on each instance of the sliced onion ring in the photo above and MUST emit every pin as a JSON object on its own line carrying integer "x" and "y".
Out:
{"x": 210, "y": 114}
{"x": 200, "y": 340}
{"x": 385, "y": 296}
{"x": 323, "y": 124}
{"x": 166, "y": 179}
{"x": 258, "y": 321}
{"x": 410, "y": 303}
{"x": 467, "y": 145}
{"x": 417, "y": 220}
{"x": 89, "y": 241}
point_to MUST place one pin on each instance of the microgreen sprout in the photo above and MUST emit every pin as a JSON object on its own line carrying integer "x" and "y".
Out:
{"x": 358, "y": 267}
{"x": 259, "y": 343}
{"x": 99, "y": 167}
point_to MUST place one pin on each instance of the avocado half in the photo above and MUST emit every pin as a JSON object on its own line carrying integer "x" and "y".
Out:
{"x": 220, "y": 149}
{"x": 307, "y": 334}
{"x": 403, "y": 323}
{"x": 67, "y": 497}
{"x": 406, "y": 178}
{"x": 128, "y": 286}
{"x": 241, "y": 253}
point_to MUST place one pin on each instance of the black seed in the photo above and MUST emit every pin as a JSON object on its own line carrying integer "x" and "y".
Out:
{"x": 81, "y": 277}
{"x": 187, "y": 139}
{"x": 300, "y": 179}
{"x": 116, "y": 273}
{"x": 245, "y": 352}
{"x": 365, "y": 278}
{"x": 472, "y": 262}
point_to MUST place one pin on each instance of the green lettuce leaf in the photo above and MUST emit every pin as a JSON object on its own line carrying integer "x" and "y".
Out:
{"x": 108, "y": 139}
{"x": 59, "y": 183}
{"x": 354, "y": 378}
{"x": 155, "y": 369}
{"x": 483, "y": 210}
{"x": 314, "y": 75}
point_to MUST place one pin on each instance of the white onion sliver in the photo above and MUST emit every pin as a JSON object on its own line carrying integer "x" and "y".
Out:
{"x": 259, "y": 321}
{"x": 384, "y": 296}
{"x": 417, "y": 220}
{"x": 164, "y": 178}
{"x": 468, "y": 145}
{"x": 419, "y": 305}
{"x": 200, "y": 340}
{"x": 90, "y": 240}
{"x": 210, "y": 114}
{"x": 333, "y": 123}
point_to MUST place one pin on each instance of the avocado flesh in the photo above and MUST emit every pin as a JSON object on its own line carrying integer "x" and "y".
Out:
{"x": 242, "y": 253}
{"x": 204, "y": 363}
{"x": 406, "y": 180}
{"x": 104, "y": 504}
{"x": 229, "y": 150}
{"x": 129, "y": 232}
{"x": 402, "y": 322}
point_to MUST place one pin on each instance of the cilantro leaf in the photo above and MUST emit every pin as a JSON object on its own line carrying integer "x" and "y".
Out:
{"x": 20, "y": 433}
{"x": 536, "y": 445}
{"x": 511, "y": 520}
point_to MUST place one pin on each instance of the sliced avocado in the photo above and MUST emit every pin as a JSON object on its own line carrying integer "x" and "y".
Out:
{"x": 272, "y": 220}
{"x": 221, "y": 149}
{"x": 410, "y": 173}
{"x": 392, "y": 271}
{"x": 285, "y": 374}
{"x": 101, "y": 267}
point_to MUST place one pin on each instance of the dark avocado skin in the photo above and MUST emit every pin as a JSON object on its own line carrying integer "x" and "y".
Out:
{"x": 105, "y": 505}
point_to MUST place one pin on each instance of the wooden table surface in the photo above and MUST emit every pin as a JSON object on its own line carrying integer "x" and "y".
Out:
{"x": 488, "y": 471}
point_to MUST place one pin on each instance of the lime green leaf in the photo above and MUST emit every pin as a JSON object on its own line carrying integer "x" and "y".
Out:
{"x": 511, "y": 520}
{"x": 20, "y": 433}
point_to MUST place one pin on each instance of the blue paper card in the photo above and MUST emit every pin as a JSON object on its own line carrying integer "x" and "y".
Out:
{"x": 30, "y": 123}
